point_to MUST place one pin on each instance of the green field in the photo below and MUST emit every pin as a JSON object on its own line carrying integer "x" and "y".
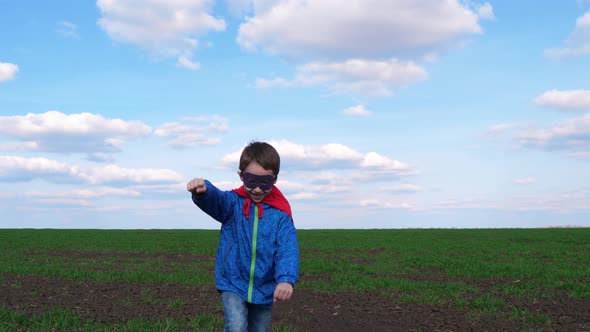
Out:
{"x": 485, "y": 275}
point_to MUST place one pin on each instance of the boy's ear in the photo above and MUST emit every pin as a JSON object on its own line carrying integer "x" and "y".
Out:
{"x": 240, "y": 174}
{"x": 276, "y": 178}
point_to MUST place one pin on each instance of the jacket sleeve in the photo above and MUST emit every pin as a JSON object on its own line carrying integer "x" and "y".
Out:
{"x": 287, "y": 254}
{"x": 215, "y": 203}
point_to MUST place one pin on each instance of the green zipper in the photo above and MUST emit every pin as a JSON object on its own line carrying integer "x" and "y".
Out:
{"x": 253, "y": 263}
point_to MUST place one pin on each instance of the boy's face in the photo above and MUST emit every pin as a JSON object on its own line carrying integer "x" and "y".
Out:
{"x": 256, "y": 176}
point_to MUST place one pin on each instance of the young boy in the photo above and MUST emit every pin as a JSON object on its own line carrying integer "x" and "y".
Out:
{"x": 257, "y": 260}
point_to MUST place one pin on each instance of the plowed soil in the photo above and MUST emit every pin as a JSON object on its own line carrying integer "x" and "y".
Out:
{"x": 308, "y": 310}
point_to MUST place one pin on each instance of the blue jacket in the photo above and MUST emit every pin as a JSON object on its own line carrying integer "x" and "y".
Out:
{"x": 252, "y": 274}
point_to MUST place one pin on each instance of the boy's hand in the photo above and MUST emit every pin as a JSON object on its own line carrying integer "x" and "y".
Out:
{"x": 283, "y": 291}
{"x": 197, "y": 186}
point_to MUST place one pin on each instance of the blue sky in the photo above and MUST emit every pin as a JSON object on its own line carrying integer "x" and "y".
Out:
{"x": 387, "y": 114}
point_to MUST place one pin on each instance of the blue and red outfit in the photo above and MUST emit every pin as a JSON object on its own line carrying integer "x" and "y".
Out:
{"x": 258, "y": 247}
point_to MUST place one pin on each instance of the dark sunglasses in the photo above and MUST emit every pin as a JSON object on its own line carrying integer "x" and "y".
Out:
{"x": 264, "y": 182}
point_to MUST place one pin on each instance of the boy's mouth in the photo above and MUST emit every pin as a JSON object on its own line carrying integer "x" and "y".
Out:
{"x": 257, "y": 196}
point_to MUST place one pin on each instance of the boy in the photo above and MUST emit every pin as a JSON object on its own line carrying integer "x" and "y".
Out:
{"x": 257, "y": 260}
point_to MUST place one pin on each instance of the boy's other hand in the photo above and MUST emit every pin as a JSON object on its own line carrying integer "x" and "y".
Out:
{"x": 283, "y": 291}
{"x": 197, "y": 186}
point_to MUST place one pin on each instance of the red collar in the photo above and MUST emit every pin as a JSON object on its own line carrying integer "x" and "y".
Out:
{"x": 274, "y": 199}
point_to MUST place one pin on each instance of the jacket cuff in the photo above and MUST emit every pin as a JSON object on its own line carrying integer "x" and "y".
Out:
{"x": 197, "y": 197}
{"x": 288, "y": 279}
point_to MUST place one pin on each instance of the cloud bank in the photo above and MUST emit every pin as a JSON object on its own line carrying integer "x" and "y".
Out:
{"x": 57, "y": 132}
{"x": 362, "y": 28}
{"x": 565, "y": 99}
{"x": 21, "y": 169}
{"x": 8, "y": 71}
{"x": 162, "y": 28}
{"x": 577, "y": 44}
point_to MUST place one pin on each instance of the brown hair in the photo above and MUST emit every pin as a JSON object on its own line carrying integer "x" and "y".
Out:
{"x": 262, "y": 153}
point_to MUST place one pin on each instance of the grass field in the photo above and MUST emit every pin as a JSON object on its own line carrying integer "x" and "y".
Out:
{"x": 526, "y": 279}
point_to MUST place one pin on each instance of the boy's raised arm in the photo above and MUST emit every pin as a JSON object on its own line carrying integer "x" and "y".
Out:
{"x": 216, "y": 203}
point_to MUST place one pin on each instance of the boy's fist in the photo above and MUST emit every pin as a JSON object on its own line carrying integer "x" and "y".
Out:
{"x": 197, "y": 186}
{"x": 283, "y": 291}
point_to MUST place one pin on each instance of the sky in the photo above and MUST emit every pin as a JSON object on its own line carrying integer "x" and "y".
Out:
{"x": 386, "y": 114}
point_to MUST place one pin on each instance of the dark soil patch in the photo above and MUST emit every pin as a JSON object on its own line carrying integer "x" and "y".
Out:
{"x": 308, "y": 310}
{"x": 317, "y": 311}
{"x": 107, "y": 302}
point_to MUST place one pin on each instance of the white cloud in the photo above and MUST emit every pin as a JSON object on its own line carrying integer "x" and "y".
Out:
{"x": 167, "y": 188}
{"x": 473, "y": 147}
{"x": 76, "y": 133}
{"x": 430, "y": 57}
{"x": 68, "y": 29}
{"x": 79, "y": 197}
{"x": 524, "y": 181}
{"x": 16, "y": 169}
{"x": 569, "y": 134}
{"x": 465, "y": 203}
{"x": 20, "y": 146}
{"x": 232, "y": 159}
{"x": 392, "y": 72}
{"x": 560, "y": 203}
{"x": 486, "y": 11}
{"x": 184, "y": 61}
{"x": 556, "y": 202}
{"x": 144, "y": 207}
{"x": 385, "y": 204}
{"x": 73, "y": 202}
{"x": 4, "y": 194}
{"x": 329, "y": 171}
{"x": 358, "y": 110}
{"x": 303, "y": 196}
{"x": 100, "y": 157}
{"x": 115, "y": 174}
{"x": 279, "y": 82}
{"x": 371, "y": 77}
{"x": 582, "y": 155}
{"x": 358, "y": 47}
{"x": 503, "y": 127}
{"x": 402, "y": 188}
{"x": 87, "y": 193}
{"x": 334, "y": 181}
{"x": 227, "y": 185}
{"x": 577, "y": 44}
{"x": 163, "y": 28}
{"x": 333, "y": 155}
{"x": 565, "y": 202}
{"x": 193, "y": 131}
{"x": 316, "y": 154}
{"x": 8, "y": 71}
{"x": 360, "y": 29}
{"x": 565, "y": 99}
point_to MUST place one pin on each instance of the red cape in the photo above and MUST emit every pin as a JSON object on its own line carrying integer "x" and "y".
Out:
{"x": 274, "y": 199}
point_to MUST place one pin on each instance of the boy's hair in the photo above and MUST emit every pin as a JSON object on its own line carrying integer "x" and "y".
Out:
{"x": 262, "y": 153}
